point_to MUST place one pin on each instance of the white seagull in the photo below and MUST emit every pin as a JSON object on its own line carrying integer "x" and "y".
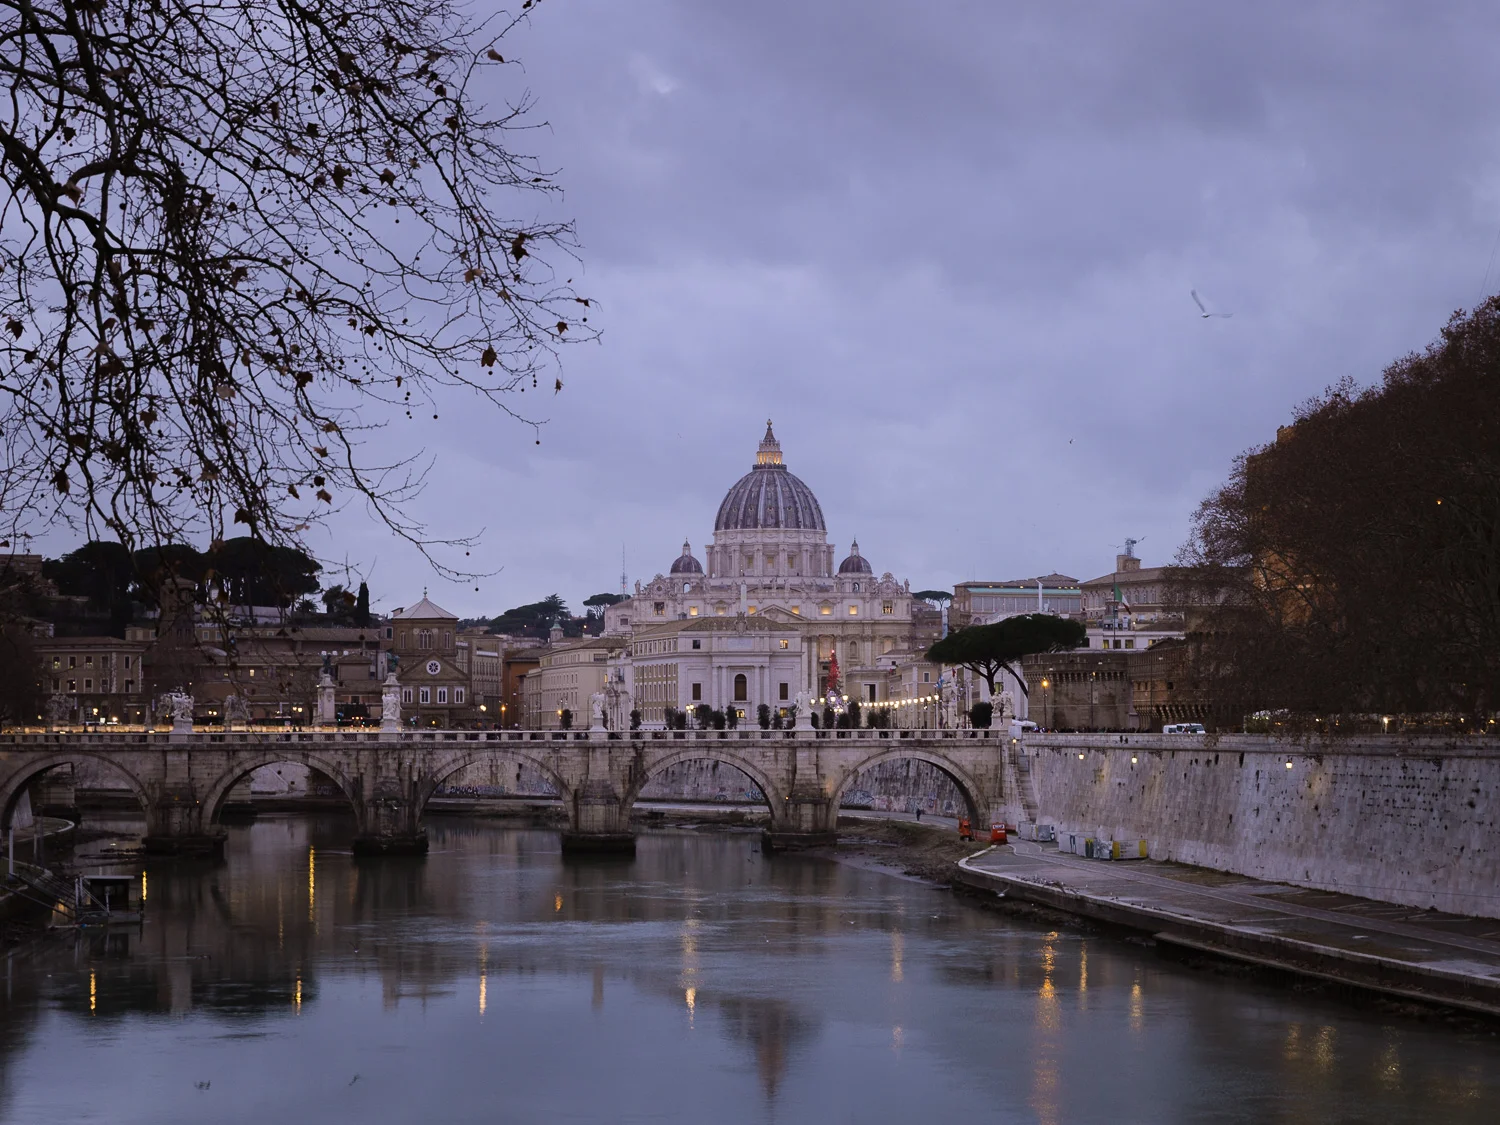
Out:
{"x": 1203, "y": 310}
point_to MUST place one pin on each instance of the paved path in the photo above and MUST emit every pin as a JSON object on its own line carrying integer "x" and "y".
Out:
{"x": 1396, "y": 949}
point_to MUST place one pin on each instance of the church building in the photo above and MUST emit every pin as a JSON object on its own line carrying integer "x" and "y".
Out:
{"x": 771, "y": 559}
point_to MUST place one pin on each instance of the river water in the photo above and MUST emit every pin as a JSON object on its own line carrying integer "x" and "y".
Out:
{"x": 699, "y": 982}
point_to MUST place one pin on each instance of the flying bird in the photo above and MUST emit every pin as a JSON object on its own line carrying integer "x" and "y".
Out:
{"x": 1202, "y": 309}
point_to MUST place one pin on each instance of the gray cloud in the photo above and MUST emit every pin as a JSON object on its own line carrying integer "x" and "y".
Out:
{"x": 948, "y": 248}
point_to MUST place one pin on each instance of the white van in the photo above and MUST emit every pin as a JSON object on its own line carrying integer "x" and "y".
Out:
{"x": 1183, "y": 728}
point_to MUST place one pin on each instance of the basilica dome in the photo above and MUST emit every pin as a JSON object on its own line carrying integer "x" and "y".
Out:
{"x": 769, "y": 496}
{"x": 855, "y": 563}
{"x": 685, "y": 563}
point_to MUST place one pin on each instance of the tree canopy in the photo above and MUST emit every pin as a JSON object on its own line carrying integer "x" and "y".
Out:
{"x": 986, "y": 650}
{"x": 1351, "y": 565}
{"x": 934, "y": 595}
{"x": 532, "y": 620}
{"x": 206, "y": 306}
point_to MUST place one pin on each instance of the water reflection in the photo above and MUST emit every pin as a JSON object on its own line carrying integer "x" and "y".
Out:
{"x": 492, "y": 979}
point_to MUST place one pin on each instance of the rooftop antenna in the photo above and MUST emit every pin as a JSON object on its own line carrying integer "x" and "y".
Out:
{"x": 1129, "y": 546}
{"x": 624, "y": 593}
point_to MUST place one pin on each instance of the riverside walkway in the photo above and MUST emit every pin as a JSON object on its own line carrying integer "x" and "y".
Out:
{"x": 1400, "y": 951}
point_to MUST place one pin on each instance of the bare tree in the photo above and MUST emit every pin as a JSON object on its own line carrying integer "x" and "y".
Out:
{"x": 238, "y": 235}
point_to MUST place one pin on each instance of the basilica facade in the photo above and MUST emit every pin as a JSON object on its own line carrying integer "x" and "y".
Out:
{"x": 770, "y": 560}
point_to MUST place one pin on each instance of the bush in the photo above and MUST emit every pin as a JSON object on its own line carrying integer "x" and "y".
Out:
{"x": 981, "y": 715}
{"x": 635, "y": 719}
{"x": 565, "y": 719}
{"x": 829, "y": 722}
{"x": 716, "y": 717}
{"x": 705, "y": 716}
{"x": 763, "y": 716}
{"x": 732, "y": 718}
{"x": 854, "y": 714}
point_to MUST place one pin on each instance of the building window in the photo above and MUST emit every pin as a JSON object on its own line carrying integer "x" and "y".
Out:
{"x": 406, "y": 695}
{"x": 72, "y": 662}
{"x": 785, "y": 643}
{"x": 88, "y": 661}
{"x": 854, "y": 611}
{"x": 458, "y": 695}
{"x": 55, "y": 684}
{"x": 442, "y": 695}
{"x": 856, "y": 587}
{"x": 697, "y": 692}
{"x": 692, "y": 611}
{"x": 741, "y": 688}
{"x": 88, "y": 685}
{"x": 1130, "y": 643}
{"x": 697, "y": 643}
{"x": 870, "y": 692}
{"x": 57, "y": 662}
{"x": 927, "y": 677}
{"x": 751, "y": 609}
{"x": 129, "y": 686}
{"x": 252, "y": 673}
{"x": 659, "y": 609}
{"x": 886, "y": 609}
{"x": 72, "y": 685}
{"x": 387, "y": 632}
{"x": 797, "y": 610}
{"x": 424, "y": 695}
{"x": 719, "y": 610}
{"x": 826, "y": 610}
{"x": 783, "y": 692}
{"x": 127, "y": 662}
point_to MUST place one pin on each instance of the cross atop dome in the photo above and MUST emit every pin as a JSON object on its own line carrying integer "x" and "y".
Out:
{"x": 770, "y": 449}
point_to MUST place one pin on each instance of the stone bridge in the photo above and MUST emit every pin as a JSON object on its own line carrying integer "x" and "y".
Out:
{"x": 182, "y": 779}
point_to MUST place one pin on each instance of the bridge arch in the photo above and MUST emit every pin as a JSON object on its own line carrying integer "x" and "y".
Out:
{"x": 652, "y": 766}
{"x": 218, "y": 792}
{"x": 29, "y": 769}
{"x": 485, "y": 755}
{"x": 968, "y": 787}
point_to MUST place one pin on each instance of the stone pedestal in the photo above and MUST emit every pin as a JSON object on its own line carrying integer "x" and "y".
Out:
{"x": 327, "y": 712}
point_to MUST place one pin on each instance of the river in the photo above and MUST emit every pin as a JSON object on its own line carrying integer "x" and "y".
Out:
{"x": 699, "y": 982}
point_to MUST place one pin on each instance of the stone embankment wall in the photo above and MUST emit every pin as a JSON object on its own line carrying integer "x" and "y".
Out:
{"x": 1411, "y": 821}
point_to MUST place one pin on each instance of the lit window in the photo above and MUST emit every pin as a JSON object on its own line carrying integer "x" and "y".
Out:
{"x": 72, "y": 662}
{"x": 442, "y": 696}
{"x": 692, "y": 611}
{"x": 886, "y": 608}
{"x": 797, "y": 610}
{"x": 752, "y": 609}
{"x": 72, "y": 685}
{"x": 425, "y": 695}
{"x": 719, "y": 610}
{"x": 57, "y": 662}
{"x": 826, "y": 610}
{"x": 854, "y": 611}
{"x": 252, "y": 673}
{"x": 1130, "y": 643}
{"x": 88, "y": 661}
{"x": 786, "y": 643}
{"x": 659, "y": 609}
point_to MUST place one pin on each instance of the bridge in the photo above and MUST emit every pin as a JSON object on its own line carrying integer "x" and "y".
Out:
{"x": 182, "y": 779}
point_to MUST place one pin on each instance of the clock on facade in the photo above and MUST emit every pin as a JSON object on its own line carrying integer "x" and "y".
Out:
{"x": 433, "y": 667}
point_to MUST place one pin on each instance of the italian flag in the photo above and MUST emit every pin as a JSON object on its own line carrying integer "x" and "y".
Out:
{"x": 1120, "y": 598}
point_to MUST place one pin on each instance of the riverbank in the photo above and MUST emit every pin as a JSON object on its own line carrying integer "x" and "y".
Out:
{"x": 1408, "y": 955}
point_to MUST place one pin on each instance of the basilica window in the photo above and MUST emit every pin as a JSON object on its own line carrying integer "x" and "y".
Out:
{"x": 741, "y": 688}
{"x": 687, "y": 587}
{"x": 442, "y": 695}
{"x": 750, "y": 609}
{"x": 826, "y": 610}
{"x": 424, "y": 638}
{"x": 425, "y": 695}
{"x": 692, "y": 611}
{"x": 854, "y": 611}
{"x": 856, "y": 587}
{"x": 886, "y": 609}
{"x": 697, "y": 692}
{"x": 406, "y": 695}
{"x": 719, "y": 609}
{"x": 784, "y": 689}
{"x": 786, "y": 643}
{"x": 697, "y": 644}
{"x": 797, "y": 610}
{"x": 659, "y": 608}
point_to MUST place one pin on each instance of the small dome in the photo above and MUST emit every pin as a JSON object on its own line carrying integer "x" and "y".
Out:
{"x": 855, "y": 563}
{"x": 685, "y": 563}
{"x": 769, "y": 496}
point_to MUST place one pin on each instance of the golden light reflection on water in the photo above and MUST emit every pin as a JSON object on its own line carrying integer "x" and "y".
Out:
{"x": 557, "y": 904}
{"x": 690, "y": 996}
{"x": 143, "y": 888}
{"x": 93, "y": 991}
{"x": 1324, "y": 1053}
{"x": 312, "y": 883}
{"x": 898, "y": 1038}
{"x": 898, "y": 954}
{"x": 297, "y": 997}
{"x": 483, "y": 989}
{"x": 484, "y": 965}
{"x": 1083, "y": 975}
{"x": 1046, "y": 1041}
{"x": 1137, "y": 1009}
{"x": 1388, "y": 1071}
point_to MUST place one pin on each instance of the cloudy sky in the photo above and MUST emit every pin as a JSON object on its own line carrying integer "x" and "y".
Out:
{"x": 948, "y": 247}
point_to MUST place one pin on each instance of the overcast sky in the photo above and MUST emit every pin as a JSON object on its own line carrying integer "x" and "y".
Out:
{"x": 948, "y": 247}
